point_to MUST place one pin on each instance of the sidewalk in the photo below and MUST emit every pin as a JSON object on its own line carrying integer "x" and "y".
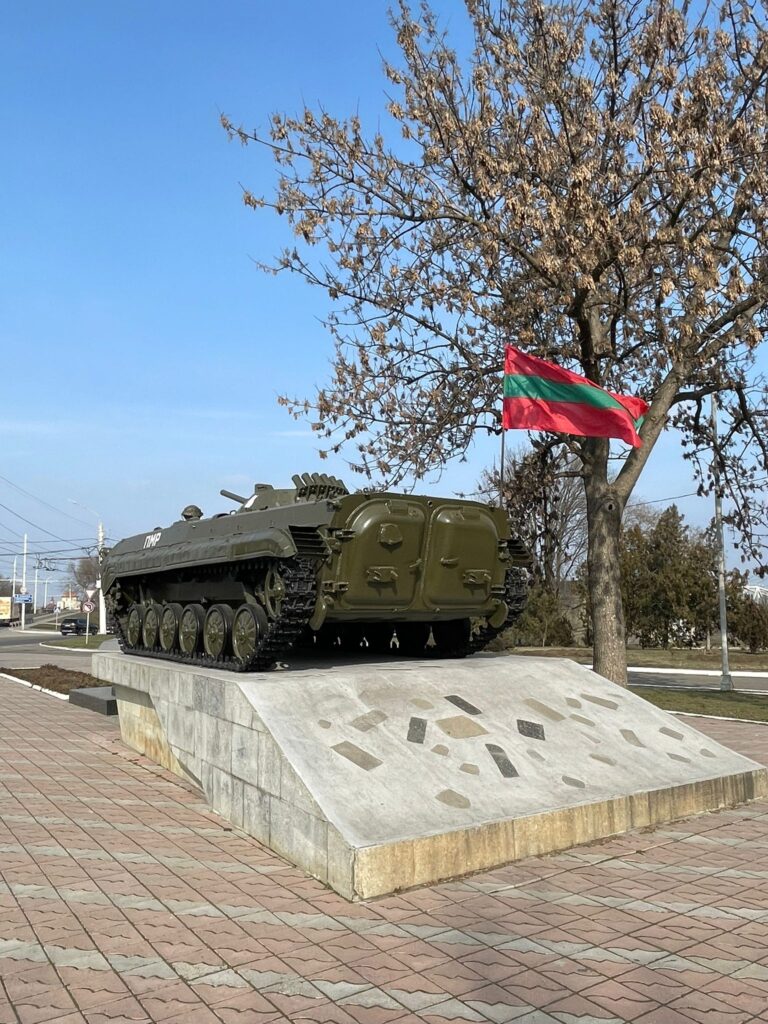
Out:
{"x": 122, "y": 898}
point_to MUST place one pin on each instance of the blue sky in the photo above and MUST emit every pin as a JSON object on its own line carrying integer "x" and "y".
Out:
{"x": 144, "y": 350}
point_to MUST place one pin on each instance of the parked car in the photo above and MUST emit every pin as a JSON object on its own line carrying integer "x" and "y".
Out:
{"x": 78, "y": 627}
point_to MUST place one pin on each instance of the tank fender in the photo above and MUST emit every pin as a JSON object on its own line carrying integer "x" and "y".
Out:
{"x": 136, "y": 561}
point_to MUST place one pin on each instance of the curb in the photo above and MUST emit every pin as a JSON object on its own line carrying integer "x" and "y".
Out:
{"x": 680, "y": 688}
{"x": 739, "y": 673}
{"x": 71, "y": 650}
{"x": 716, "y": 718}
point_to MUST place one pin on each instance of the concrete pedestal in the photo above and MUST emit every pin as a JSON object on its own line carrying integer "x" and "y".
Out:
{"x": 378, "y": 777}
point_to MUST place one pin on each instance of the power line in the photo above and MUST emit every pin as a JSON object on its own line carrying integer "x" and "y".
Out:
{"x": 657, "y": 501}
{"x": 46, "y": 504}
{"x": 30, "y": 523}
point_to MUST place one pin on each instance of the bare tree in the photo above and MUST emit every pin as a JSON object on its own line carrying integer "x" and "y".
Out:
{"x": 542, "y": 491}
{"x": 589, "y": 182}
{"x": 85, "y": 571}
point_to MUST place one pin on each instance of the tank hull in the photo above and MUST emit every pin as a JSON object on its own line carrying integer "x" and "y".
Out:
{"x": 331, "y": 571}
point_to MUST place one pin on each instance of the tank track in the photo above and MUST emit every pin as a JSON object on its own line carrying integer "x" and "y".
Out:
{"x": 516, "y": 597}
{"x": 298, "y": 574}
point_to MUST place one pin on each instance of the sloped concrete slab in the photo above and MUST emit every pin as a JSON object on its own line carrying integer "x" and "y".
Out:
{"x": 378, "y": 777}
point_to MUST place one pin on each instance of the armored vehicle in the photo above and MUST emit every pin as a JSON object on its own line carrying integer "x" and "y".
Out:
{"x": 318, "y": 567}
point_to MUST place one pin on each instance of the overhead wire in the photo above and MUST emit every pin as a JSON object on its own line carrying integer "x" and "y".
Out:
{"x": 42, "y": 501}
{"x": 30, "y": 523}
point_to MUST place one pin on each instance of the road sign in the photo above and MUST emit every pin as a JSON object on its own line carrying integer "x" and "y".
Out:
{"x": 90, "y": 593}
{"x": 89, "y": 606}
{"x": 22, "y": 599}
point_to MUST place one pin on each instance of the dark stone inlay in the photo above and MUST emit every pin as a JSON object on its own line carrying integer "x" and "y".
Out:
{"x": 417, "y": 730}
{"x": 671, "y": 732}
{"x": 679, "y": 757}
{"x": 582, "y": 719}
{"x": 531, "y": 729}
{"x": 706, "y": 753}
{"x": 503, "y": 763}
{"x": 464, "y": 705}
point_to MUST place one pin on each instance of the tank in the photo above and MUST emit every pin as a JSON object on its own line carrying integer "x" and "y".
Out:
{"x": 316, "y": 567}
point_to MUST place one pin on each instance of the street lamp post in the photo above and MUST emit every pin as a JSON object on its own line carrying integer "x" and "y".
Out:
{"x": 100, "y": 555}
{"x": 726, "y": 680}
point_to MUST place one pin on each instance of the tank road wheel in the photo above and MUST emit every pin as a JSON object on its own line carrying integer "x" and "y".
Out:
{"x": 191, "y": 628}
{"x": 274, "y": 592}
{"x": 169, "y": 626}
{"x": 412, "y": 638}
{"x": 452, "y": 639}
{"x": 133, "y": 625}
{"x": 249, "y": 626}
{"x": 217, "y": 630}
{"x": 150, "y": 628}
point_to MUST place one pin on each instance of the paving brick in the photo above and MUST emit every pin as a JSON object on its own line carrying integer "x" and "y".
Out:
{"x": 122, "y": 897}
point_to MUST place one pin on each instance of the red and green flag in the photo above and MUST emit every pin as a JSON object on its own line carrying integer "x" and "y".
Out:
{"x": 542, "y": 396}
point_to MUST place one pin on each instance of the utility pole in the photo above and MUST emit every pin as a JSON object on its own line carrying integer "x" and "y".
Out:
{"x": 726, "y": 682}
{"x": 13, "y": 586}
{"x": 24, "y": 583}
{"x": 34, "y": 600}
{"x": 100, "y": 554}
{"x": 102, "y": 606}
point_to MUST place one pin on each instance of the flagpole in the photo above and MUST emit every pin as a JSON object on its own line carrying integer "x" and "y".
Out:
{"x": 501, "y": 468}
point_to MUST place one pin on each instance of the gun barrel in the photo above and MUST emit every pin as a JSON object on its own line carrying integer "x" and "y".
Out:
{"x": 234, "y": 497}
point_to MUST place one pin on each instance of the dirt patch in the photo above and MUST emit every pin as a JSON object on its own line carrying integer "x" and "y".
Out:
{"x": 51, "y": 677}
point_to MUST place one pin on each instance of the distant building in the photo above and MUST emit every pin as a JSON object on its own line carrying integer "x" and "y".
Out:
{"x": 69, "y": 601}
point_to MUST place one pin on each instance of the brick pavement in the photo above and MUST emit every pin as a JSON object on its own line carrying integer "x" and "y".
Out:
{"x": 122, "y": 898}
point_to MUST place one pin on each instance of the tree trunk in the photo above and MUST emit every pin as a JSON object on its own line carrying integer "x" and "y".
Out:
{"x": 604, "y": 510}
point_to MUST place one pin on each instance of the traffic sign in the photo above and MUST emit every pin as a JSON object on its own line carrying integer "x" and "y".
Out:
{"x": 89, "y": 606}
{"x": 22, "y": 599}
{"x": 90, "y": 593}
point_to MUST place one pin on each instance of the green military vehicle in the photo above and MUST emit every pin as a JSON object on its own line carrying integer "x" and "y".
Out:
{"x": 314, "y": 566}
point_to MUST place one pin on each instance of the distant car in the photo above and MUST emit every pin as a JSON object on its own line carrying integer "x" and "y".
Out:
{"x": 78, "y": 627}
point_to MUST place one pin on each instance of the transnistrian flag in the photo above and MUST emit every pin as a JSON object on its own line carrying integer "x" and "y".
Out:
{"x": 542, "y": 396}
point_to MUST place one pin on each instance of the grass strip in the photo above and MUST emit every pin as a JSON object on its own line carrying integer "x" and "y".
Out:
{"x": 653, "y": 657}
{"x": 707, "y": 702}
{"x": 94, "y": 642}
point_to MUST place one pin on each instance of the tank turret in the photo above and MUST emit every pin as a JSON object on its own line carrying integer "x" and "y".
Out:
{"x": 315, "y": 566}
